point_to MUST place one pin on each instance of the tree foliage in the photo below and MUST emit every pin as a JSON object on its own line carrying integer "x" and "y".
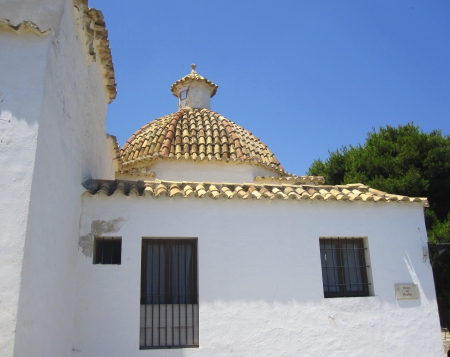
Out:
{"x": 406, "y": 161}
{"x": 402, "y": 160}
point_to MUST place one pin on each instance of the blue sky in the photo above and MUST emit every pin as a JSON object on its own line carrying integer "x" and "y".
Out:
{"x": 303, "y": 76}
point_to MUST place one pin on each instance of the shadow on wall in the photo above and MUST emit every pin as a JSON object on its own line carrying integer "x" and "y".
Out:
{"x": 414, "y": 279}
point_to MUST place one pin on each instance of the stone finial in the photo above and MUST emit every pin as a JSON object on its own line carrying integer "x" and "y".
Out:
{"x": 194, "y": 68}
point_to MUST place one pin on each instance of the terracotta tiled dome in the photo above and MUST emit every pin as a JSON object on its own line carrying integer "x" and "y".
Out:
{"x": 195, "y": 134}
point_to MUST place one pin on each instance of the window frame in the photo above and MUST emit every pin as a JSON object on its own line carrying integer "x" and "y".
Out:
{"x": 342, "y": 272}
{"x": 182, "y": 102}
{"x": 170, "y": 305}
{"x": 102, "y": 240}
{"x": 185, "y": 91}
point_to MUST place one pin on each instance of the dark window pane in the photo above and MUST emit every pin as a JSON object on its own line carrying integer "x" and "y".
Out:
{"x": 108, "y": 251}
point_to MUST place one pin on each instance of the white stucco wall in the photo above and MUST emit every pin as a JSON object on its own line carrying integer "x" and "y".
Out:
{"x": 198, "y": 95}
{"x": 187, "y": 170}
{"x": 260, "y": 282}
{"x": 22, "y": 69}
{"x": 46, "y": 14}
{"x": 52, "y": 131}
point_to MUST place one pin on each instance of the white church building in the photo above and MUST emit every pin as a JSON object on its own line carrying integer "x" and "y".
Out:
{"x": 191, "y": 239}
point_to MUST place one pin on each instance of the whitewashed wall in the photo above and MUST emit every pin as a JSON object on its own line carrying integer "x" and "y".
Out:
{"x": 21, "y": 81}
{"x": 198, "y": 95}
{"x": 52, "y": 138}
{"x": 46, "y": 14}
{"x": 260, "y": 282}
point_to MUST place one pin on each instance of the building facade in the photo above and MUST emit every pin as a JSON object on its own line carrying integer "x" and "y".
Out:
{"x": 189, "y": 240}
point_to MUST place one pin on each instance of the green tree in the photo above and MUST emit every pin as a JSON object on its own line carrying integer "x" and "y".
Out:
{"x": 402, "y": 160}
{"x": 406, "y": 161}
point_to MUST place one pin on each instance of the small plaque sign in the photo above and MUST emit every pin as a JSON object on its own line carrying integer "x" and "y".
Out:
{"x": 406, "y": 291}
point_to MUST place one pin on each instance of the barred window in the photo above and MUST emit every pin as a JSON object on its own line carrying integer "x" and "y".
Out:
{"x": 344, "y": 269}
{"x": 107, "y": 250}
{"x": 169, "y": 294}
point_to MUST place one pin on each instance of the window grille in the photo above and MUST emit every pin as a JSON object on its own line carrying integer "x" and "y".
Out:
{"x": 107, "y": 250}
{"x": 169, "y": 294}
{"x": 344, "y": 269}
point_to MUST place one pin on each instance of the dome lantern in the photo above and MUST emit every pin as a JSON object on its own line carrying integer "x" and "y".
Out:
{"x": 194, "y": 91}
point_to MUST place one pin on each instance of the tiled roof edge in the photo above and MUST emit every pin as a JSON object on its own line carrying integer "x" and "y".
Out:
{"x": 23, "y": 27}
{"x": 217, "y": 190}
{"x": 194, "y": 77}
{"x": 291, "y": 179}
{"x": 116, "y": 150}
{"x": 97, "y": 43}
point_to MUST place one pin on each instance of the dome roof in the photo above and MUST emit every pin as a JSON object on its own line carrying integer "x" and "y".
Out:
{"x": 198, "y": 135}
